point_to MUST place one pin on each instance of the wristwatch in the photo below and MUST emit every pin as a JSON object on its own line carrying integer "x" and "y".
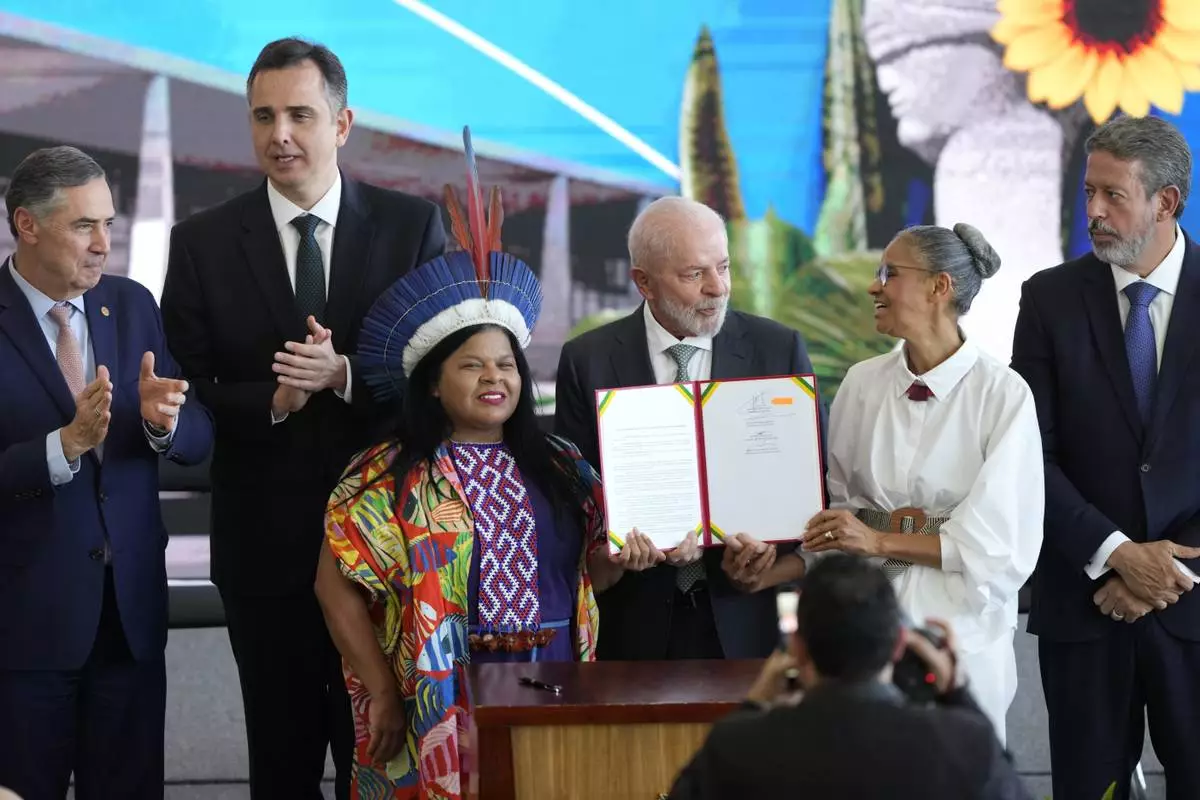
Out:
{"x": 154, "y": 430}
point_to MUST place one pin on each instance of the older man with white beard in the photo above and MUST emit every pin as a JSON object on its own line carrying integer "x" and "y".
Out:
{"x": 696, "y": 604}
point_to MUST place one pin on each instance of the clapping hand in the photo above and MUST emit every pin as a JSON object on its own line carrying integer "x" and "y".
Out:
{"x": 93, "y": 414}
{"x": 312, "y": 365}
{"x": 161, "y": 398}
{"x": 289, "y": 399}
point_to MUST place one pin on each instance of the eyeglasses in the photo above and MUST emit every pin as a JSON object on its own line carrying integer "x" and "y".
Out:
{"x": 881, "y": 274}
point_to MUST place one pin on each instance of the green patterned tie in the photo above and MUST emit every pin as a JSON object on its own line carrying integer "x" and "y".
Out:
{"x": 689, "y": 574}
{"x": 310, "y": 269}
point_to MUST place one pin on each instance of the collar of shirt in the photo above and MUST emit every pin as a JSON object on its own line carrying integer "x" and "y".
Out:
{"x": 659, "y": 338}
{"x": 1165, "y": 276}
{"x": 40, "y": 303}
{"x": 325, "y": 209}
{"x": 942, "y": 379}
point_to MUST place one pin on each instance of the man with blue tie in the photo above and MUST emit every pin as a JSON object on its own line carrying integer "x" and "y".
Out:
{"x": 84, "y": 417}
{"x": 1108, "y": 344}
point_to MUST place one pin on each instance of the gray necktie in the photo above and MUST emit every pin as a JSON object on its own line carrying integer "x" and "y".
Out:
{"x": 310, "y": 269}
{"x": 688, "y": 575}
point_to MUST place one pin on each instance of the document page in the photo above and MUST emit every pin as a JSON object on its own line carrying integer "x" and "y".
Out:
{"x": 762, "y": 456}
{"x": 649, "y": 463}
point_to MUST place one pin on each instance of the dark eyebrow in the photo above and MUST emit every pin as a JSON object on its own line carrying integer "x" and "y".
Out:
{"x": 269, "y": 110}
{"x": 91, "y": 220}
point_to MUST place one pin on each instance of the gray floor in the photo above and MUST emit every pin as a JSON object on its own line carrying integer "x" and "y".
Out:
{"x": 206, "y": 758}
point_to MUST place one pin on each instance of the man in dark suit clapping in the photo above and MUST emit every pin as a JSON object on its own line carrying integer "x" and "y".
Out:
{"x": 263, "y": 299}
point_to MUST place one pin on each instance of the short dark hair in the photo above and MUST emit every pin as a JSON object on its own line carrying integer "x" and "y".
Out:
{"x": 1157, "y": 146}
{"x": 292, "y": 51}
{"x": 38, "y": 181}
{"x": 848, "y": 617}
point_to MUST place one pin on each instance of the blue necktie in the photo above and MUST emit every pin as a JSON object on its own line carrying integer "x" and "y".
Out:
{"x": 1140, "y": 346}
{"x": 310, "y": 269}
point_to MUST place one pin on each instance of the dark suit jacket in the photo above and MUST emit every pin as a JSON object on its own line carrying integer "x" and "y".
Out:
{"x": 228, "y": 307}
{"x": 637, "y": 610}
{"x": 852, "y": 743}
{"x": 51, "y": 538}
{"x": 1105, "y": 470}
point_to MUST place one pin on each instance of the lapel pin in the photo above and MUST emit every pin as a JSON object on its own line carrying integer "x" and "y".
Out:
{"x": 104, "y": 310}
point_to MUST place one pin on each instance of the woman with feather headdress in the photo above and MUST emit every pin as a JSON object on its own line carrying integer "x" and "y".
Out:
{"x": 470, "y": 535}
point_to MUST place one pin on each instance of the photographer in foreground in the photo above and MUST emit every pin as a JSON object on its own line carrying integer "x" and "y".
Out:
{"x": 852, "y": 734}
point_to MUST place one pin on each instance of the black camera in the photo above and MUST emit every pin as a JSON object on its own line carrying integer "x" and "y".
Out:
{"x": 913, "y": 676}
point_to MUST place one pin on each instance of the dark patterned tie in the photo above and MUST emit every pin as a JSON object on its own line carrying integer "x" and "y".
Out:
{"x": 310, "y": 269}
{"x": 1140, "y": 346}
{"x": 689, "y": 574}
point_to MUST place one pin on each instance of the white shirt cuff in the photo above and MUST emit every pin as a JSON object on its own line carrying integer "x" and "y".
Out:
{"x": 161, "y": 444}
{"x": 1099, "y": 563}
{"x": 347, "y": 395}
{"x": 276, "y": 420}
{"x": 951, "y": 557}
{"x": 61, "y": 470}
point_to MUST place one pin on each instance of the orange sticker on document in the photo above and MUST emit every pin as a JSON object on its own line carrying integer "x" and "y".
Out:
{"x": 782, "y": 401}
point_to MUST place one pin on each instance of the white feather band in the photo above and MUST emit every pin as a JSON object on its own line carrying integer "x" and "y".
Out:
{"x": 457, "y": 317}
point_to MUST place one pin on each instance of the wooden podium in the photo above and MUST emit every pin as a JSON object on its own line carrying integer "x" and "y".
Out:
{"x": 619, "y": 729}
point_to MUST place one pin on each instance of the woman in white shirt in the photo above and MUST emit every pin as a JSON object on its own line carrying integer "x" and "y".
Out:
{"x": 935, "y": 459}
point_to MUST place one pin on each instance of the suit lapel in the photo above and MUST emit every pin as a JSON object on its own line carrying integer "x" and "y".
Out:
{"x": 630, "y": 359}
{"x": 349, "y": 262}
{"x": 731, "y": 358}
{"x": 264, "y": 256}
{"x": 102, "y": 316}
{"x": 1183, "y": 333}
{"x": 19, "y": 324}
{"x": 1100, "y": 296}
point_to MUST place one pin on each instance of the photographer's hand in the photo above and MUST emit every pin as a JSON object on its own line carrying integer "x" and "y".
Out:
{"x": 942, "y": 662}
{"x": 771, "y": 682}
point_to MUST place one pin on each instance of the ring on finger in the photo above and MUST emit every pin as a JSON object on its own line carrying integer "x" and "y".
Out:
{"x": 830, "y": 535}
{"x": 1117, "y": 615}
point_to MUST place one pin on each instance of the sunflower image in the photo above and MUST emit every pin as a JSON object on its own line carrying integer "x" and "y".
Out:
{"x": 1126, "y": 54}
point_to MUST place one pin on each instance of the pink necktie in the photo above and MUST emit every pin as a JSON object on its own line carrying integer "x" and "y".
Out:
{"x": 70, "y": 360}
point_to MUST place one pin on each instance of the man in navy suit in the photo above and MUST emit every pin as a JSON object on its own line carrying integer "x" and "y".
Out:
{"x": 1108, "y": 344}
{"x": 84, "y": 418}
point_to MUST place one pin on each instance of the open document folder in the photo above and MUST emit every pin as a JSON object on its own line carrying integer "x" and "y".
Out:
{"x": 715, "y": 457}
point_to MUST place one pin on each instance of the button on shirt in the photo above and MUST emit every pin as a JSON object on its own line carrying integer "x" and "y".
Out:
{"x": 283, "y": 211}
{"x": 1165, "y": 278}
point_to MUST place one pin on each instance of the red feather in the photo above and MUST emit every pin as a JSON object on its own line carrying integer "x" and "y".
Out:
{"x": 495, "y": 221}
{"x": 458, "y": 219}
{"x": 475, "y": 221}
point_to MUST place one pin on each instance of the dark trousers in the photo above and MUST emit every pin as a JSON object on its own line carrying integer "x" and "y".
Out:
{"x": 1100, "y": 694}
{"x": 293, "y": 693}
{"x": 693, "y": 632}
{"x": 104, "y": 722}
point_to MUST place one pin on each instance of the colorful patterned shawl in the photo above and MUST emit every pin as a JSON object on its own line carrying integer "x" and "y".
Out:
{"x": 412, "y": 554}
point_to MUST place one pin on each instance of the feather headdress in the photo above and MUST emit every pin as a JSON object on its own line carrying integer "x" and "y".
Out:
{"x": 479, "y": 284}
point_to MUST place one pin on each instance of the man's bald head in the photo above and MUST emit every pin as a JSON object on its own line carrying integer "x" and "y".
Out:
{"x": 661, "y": 230}
{"x": 679, "y": 253}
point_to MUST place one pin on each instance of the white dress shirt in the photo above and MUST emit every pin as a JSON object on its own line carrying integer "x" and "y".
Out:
{"x": 61, "y": 470}
{"x": 1165, "y": 277}
{"x": 972, "y": 453}
{"x": 326, "y": 210}
{"x": 659, "y": 339}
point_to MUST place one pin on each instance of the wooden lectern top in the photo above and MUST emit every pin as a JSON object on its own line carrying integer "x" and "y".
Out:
{"x": 609, "y": 692}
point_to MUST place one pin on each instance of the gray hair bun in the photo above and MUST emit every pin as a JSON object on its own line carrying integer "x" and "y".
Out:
{"x": 983, "y": 257}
